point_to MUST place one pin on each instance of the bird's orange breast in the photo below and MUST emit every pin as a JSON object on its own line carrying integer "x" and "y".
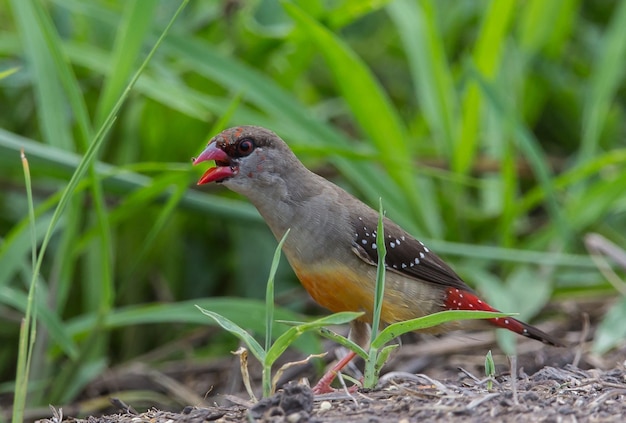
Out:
{"x": 338, "y": 288}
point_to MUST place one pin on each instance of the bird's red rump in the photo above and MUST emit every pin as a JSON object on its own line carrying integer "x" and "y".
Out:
{"x": 457, "y": 299}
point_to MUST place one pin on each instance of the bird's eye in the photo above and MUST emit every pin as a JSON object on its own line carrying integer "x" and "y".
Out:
{"x": 245, "y": 147}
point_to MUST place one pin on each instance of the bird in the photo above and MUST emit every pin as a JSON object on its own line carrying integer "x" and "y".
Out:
{"x": 332, "y": 246}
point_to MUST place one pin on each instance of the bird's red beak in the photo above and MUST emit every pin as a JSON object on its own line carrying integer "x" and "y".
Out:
{"x": 222, "y": 170}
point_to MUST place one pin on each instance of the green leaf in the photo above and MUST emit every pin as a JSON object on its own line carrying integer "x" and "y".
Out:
{"x": 379, "y": 293}
{"x": 432, "y": 78}
{"x": 237, "y": 331}
{"x": 394, "y": 330}
{"x": 608, "y": 75}
{"x": 269, "y": 294}
{"x": 342, "y": 340}
{"x": 382, "y": 356}
{"x": 287, "y": 338}
{"x": 133, "y": 29}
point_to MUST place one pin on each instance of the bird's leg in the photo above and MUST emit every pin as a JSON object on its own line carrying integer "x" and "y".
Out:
{"x": 360, "y": 334}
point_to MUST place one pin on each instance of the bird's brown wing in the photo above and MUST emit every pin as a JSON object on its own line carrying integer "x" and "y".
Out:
{"x": 405, "y": 254}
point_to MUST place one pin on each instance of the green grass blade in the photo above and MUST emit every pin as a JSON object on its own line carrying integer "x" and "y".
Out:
{"x": 487, "y": 54}
{"x": 376, "y": 115}
{"x": 53, "y": 119}
{"x": 269, "y": 293}
{"x": 381, "y": 268}
{"x": 381, "y": 358}
{"x": 349, "y": 11}
{"x": 28, "y": 328}
{"x": 134, "y": 28}
{"x": 605, "y": 82}
{"x": 343, "y": 341}
{"x": 8, "y": 72}
{"x": 288, "y": 338}
{"x": 430, "y": 72}
{"x": 391, "y": 332}
{"x": 531, "y": 148}
{"x": 237, "y": 331}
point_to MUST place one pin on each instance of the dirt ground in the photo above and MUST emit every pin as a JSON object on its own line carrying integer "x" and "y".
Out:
{"x": 435, "y": 380}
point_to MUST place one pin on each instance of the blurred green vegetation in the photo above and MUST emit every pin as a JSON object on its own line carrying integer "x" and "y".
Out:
{"x": 493, "y": 130}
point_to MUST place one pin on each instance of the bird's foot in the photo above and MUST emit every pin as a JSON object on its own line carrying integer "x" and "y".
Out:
{"x": 323, "y": 386}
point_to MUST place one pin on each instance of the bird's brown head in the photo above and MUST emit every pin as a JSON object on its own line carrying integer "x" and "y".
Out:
{"x": 246, "y": 158}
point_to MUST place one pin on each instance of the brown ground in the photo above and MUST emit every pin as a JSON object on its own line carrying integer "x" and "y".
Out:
{"x": 438, "y": 380}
